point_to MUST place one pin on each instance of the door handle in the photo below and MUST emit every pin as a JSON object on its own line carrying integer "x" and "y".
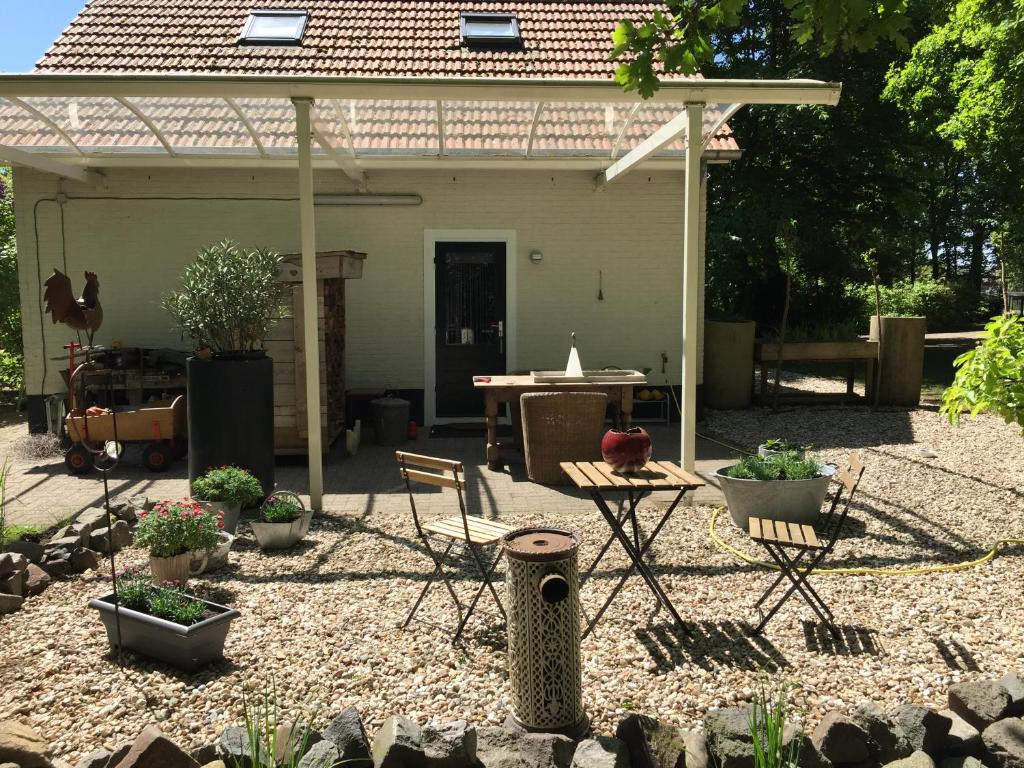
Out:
{"x": 501, "y": 336}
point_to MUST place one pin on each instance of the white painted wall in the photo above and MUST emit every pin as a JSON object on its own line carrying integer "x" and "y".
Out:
{"x": 632, "y": 231}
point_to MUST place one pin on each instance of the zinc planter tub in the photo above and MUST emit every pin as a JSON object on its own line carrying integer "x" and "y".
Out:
{"x": 187, "y": 648}
{"x": 215, "y": 559}
{"x": 281, "y": 535}
{"x": 231, "y": 513}
{"x": 794, "y": 501}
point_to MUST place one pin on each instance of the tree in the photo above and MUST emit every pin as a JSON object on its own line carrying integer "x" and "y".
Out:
{"x": 680, "y": 38}
{"x": 11, "y": 362}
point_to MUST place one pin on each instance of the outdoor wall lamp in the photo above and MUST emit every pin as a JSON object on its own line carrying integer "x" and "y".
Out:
{"x": 536, "y": 257}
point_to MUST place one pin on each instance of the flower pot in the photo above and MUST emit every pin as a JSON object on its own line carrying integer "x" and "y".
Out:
{"x": 795, "y": 501}
{"x": 216, "y": 558}
{"x": 231, "y": 416}
{"x": 187, "y": 648}
{"x": 230, "y": 513}
{"x": 764, "y": 450}
{"x": 281, "y": 535}
{"x": 626, "y": 451}
{"x": 173, "y": 568}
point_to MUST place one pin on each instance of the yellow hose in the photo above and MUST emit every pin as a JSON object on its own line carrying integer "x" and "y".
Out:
{"x": 990, "y": 555}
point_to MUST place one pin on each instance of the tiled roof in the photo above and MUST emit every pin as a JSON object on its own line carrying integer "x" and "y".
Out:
{"x": 568, "y": 39}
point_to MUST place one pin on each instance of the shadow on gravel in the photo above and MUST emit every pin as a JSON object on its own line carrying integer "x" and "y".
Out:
{"x": 711, "y": 644}
{"x": 956, "y": 656}
{"x": 855, "y": 640}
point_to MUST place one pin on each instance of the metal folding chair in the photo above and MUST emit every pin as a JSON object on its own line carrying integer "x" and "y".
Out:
{"x": 470, "y": 536}
{"x": 789, "y": 544}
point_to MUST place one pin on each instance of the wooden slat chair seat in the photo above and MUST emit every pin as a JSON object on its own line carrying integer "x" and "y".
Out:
{"x": 789, "y": 544}
{"x": 469, "y": 534}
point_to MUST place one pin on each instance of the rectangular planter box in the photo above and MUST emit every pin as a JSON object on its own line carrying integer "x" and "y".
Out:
{"x": 187, "y": 648}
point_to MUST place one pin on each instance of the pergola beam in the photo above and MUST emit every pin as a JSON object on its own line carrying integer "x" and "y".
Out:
{"x": 47, "y": 164}
{"x": 652, "y": 145}
{"x": 533, "y": 128}
{"x": 726, "y": 115}
{"x": 691, "y": 286}
{"x": 253, "y": 133}
{"x": 148, "y": 123}
{"x": 625, "y": 127}
{"x": 439, "y": 106}
{"x": 348, "y": 166}
{"x": 345, "y": 130}
{"x": 47, "y": 121}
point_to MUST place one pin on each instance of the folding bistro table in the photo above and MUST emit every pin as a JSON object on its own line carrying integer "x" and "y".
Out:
{"x": 598, "y": 480}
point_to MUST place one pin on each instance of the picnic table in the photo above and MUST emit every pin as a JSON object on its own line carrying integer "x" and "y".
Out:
{"x": 599, "y": 480}
{"x": 508, "y": 388}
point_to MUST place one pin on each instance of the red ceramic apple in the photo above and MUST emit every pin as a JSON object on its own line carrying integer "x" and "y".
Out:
{"x": 626, "y": 451}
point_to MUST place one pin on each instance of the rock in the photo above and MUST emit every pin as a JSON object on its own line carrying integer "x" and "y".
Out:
{"x": 120, "y": 536}
{"x": 217, "y": 764}
{"x": 695, "y": 749}
{"x": 32, "y": 550}
{"x": 841, "y": 739}
{"x": 1014, "y": 686}
{"x": 452, "y": 745}
{"x": 348, "y": 735}
{"x": 124, "y": 510}
{"x": 233, "y": 747}
{"x": 961, "y": 762}
{"x": 152, "y": 748}
{"x": 141, "y": 502}
{"x": 917, "y": 759}
{"x": 601, "y": 752}
{"x": 651, "y": 744}
{"x": 963, "y": 739}
{"x": 37, "y": 580}
{"x": 925, "y": 729}
{"x": 119, "y": 754}
{"x": 78, "y": 531}
{"x": 93, "y": 517}
{"x": 293, "y": 739}
{"x": 544, "y": 750}
{"x": 398, "y": 744}
{"x": 729, "y": 740}
{"x": 885, "y": 743}
{"x": 99, "y": 758}
{"x": 64, "y": 544}
{"x": 1004, "y": 743}
{"x": 83, "y": 559}
{"x": 498, "y": 747}
{"x": 205, "y": 753}
{"x": 980, "y": 703}
{"x": 323, "y": 754}
{"x": 12, "y": 562}
{"x": 13, "y": 584}
{"x": 9, "y": 604}
{"x": 21, "y": 745}
{"x": 58, "y": 567}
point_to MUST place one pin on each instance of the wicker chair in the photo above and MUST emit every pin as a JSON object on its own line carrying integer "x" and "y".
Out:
{"x": 561, "y": 426}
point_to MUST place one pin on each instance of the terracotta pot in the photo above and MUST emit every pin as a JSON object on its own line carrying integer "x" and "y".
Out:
{"x": 175, "y": 567}
{"x": 626, "y": 451}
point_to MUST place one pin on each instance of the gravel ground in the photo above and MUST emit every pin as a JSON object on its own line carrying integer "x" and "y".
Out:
{"x": 323, "y": 617}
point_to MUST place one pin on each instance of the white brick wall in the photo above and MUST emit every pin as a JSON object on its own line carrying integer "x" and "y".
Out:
{"x": 631, "y": 231}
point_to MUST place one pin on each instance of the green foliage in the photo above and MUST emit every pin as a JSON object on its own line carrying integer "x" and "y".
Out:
{"x": 948, "y": 307}
{"x": 791, "y": 465}
{"x": 768, "y": 726}
{"x": 174, "y": 527}
{"x": 680, "y": 37}
{"x": 228, "y": 484}
{"x": 263, "y": 715}
{"x": 6, "y": 534}
{"x": 990, "y": 377}
{"x": 785, "y": 446}
{"x": 11, "y": 357}
{"x": 229, "y": 297}
{"x": 281, "y": 509}
{"x": 136, "y": 590}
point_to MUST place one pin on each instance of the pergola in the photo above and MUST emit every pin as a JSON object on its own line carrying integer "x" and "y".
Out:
{"x": 76, "y": 125}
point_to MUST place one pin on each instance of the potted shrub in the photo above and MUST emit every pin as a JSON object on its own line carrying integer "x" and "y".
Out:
{"x": 226, "y": 302}
{"x": 164, "y": 621}
{"x": 227, "y": 489}
{"x": 775, "y": 446}
{"x": 173, "y": 531}
{"x": 786, "y": 486}
{"x": 283, "y": 521}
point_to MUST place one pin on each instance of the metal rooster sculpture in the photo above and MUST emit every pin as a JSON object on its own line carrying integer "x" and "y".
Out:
{"x": 82, "y": 314}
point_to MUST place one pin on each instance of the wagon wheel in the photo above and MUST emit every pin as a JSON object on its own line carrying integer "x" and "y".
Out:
{"x": 78, "y": 459}
{"x": 157, "y": 457}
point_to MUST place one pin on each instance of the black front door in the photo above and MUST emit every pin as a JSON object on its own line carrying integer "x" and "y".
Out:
{"x": 469, "y": 282}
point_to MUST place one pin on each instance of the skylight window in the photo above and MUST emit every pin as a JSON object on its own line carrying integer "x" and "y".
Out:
{"x": 274, "y": 28}
{"x": 483, "y": 30}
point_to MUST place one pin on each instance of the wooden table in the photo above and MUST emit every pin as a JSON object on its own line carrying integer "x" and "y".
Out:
{"x": 597, "y": 479}
{"x": 766, "y": 354}
{"x": 507, "y": 389}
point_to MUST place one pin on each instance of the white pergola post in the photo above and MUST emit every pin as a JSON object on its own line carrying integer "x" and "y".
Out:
{"x": 691, "y": 285}
{"x": 310, "y": 315}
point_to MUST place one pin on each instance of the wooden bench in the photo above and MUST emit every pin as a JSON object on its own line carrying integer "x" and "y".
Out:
{"x": 766, "y": 354}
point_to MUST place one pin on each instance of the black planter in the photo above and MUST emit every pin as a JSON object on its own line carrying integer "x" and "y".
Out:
{"x": 187, "y": 648}
{"x": 231, "y": 416}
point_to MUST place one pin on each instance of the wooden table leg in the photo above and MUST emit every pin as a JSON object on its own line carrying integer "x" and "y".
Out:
{"x": 491, "y": 415}
{"x": 625, "y": 406}
{"x": 849, "y": 378}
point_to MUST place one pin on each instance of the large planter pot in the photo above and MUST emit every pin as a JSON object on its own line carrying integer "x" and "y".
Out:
{"x": 187, "y": 648}
{"x": 173, "y": 568}
{"x": 216, "y": 558}
{"x": 231, "y": 416}
{"x": 795, "y": 501}
{"x": 728, "y": 364}
{"x": 281, "y": 535}
{"x": 230, "y": 513}
{"x": 900, "y": 359}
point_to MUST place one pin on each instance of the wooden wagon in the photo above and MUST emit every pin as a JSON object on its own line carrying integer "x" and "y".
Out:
{"x": 161, "y": 425}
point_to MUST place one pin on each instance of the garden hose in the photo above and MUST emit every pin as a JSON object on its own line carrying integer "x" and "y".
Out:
{"x": 921, "y": 570}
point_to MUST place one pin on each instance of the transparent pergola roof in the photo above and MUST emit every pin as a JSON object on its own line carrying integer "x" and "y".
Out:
{"x": 97, "y": 126}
